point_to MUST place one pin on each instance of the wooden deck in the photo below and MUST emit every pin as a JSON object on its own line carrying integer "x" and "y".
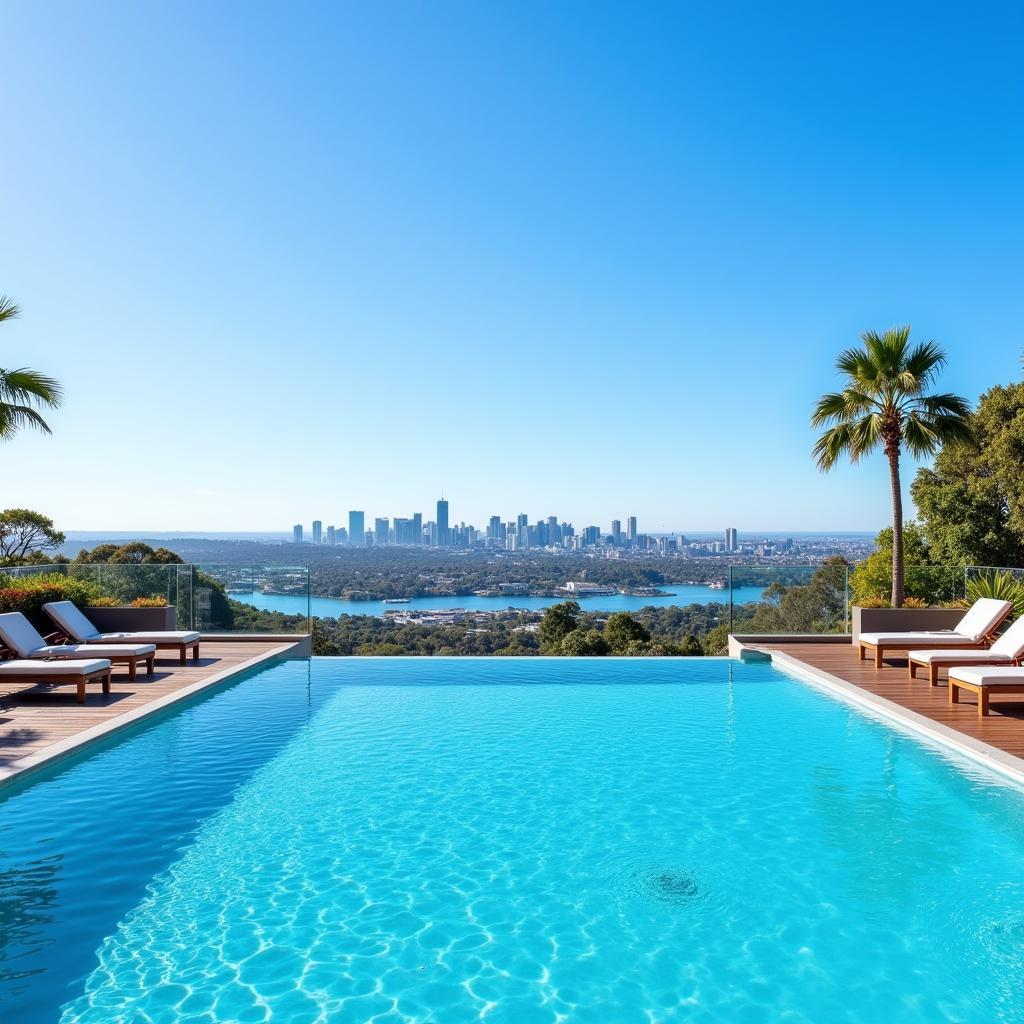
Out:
{"x": 1002, "y": 729}
{"x": 41, "y": 723}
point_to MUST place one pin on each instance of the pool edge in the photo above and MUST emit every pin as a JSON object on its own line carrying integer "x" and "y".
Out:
{"x": 19, "y": 771}
{"x": 978, "y": 751}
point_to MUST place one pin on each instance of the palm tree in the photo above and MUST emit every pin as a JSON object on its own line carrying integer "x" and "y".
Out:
{"x": 21, "y": 391}
{"x": 885, "y": 402}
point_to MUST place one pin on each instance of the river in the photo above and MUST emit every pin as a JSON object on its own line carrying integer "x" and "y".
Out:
{"x": 332, "y": 607}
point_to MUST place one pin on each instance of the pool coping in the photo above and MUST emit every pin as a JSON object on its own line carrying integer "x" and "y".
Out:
{"x": 18, "y": 771}
{"x": 1007, "y": 765}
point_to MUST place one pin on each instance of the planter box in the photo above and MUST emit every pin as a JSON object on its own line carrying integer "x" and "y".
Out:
{"x": 132, "y": 620}
{"x": 901, "y": 620}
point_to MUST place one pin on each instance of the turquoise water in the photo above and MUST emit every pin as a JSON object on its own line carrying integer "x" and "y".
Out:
{"x": 449, "y": 840}
{"x": 331, "y": 607}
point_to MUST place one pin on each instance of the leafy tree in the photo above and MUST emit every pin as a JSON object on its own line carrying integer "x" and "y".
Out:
{"x": 818, "y": 606}
{"x": 971, "y": 503}
{"x": 25, "y": 535}
{"x": 622, "y": 629}
{"x": 23, "y": 392}
{"x": 885, "y": 402}
{"x": 871, "y": 580}
{"x": 133, "y": 553}
{"x": 583, "y": 643}
{"x": 558, "y": 622}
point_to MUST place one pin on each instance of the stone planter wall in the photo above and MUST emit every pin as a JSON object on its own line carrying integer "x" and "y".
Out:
{"x": 902, "y": 620}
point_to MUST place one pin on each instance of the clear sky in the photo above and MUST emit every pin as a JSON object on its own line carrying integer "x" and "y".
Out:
{"x": 576, "y": 259}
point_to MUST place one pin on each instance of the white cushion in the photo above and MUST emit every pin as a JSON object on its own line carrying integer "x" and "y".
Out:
{"x": 1011, "y": 643}
{"x": 68, "y": 616}
{"x": 48, "y": 669}
{"x": 984, "y": 615}
{"x": 170, "y": 636}
{"x": 927, "y": 657}
{"x": 94, "y": 651}
{"x": 19, "y": 634}
{"x": 989, "y": 676}
{"x": 934, "y": 638}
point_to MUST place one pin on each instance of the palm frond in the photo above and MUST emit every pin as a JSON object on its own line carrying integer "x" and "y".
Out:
{"x": 9, "y": 309}
{"x": 14, "y": 417}
{"x": 831, "y": 445}
{"x": 21, "y": 386}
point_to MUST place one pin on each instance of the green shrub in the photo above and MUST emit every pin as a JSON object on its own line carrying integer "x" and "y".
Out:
{"x": 1003, "y": 585}
{"x": 30, "y": 594}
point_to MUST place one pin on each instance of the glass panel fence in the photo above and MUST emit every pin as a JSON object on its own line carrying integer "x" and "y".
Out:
{"x": 772, "y": 599}
{"x": 1002, "y": 582}
{"x": 210, "y": 598}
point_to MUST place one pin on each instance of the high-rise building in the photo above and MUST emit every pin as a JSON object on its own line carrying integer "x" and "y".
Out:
{"x": 616, "y": 532}
{"x": 730, "y": 539}
{"x": 332, "y": 536}
{"x": 342, "y": 535}
{"x": 318, "y": 531}
{"x": 523, "y": 530}
{"x": 357, "y": 529}
{"x": 297, "y": 533}
{"x": 591, "y": 535}
{"x": 631, "y": 529}
{"x": 417, "y": 527}
{"x": 442, "y": 523}
{"x": 381, "y": 529}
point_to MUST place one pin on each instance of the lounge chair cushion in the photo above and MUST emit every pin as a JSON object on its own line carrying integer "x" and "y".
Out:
{"x": 50, "y": 669}
{"x": 962, "y": 657}
{"x": 20, "y": 635}
{"x": 68, "y": 616}
{"x": 1008, "y": 676}
{"x": 935, "y": 638}
{"x": 1011, "y": 643}
{"x": 983, "y": 616}
{"x": 170, "y": 636}
{"x": 95, "y": 651}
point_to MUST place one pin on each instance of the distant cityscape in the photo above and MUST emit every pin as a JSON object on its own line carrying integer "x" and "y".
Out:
{"x": 621, "y": 539}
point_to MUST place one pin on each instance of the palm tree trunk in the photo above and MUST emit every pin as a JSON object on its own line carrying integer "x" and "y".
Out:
{"x": 897, "y": 530}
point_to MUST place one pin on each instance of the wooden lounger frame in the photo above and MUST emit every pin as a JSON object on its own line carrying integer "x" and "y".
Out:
{"x": 983, "y": 690}
{"x": 100, "y": 675}
{"x": 951, "y": 661}
{"x": 163, "y": 645}
{"x": 131, "y": 660}
{"x": 908, "y": 645}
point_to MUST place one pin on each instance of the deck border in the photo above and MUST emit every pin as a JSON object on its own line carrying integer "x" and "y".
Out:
{"x": 18, "y": 771}
{"x": 1008, "y": 766}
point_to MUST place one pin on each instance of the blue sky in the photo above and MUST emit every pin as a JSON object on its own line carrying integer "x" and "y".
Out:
{"x": 577, "y": 259}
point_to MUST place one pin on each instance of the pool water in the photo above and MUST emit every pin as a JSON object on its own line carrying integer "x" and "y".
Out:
{"x": 513, "y": 840}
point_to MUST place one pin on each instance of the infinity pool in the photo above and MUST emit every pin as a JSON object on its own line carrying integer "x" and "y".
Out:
{"x": 434, "y": 840}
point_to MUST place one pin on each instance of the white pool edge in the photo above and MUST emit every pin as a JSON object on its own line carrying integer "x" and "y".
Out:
{"x": 936, "y": 735}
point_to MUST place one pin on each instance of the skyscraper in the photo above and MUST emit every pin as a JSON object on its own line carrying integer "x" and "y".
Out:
{"x": 318, "y": 531}
{"x": 357, "y": 529}
{"x": 616, "y": 532}
{"x": 297, "y": 533}
{"x": 730, "y": 539}
{"x": 442, "y": 523}
{"x": 417, "y": 527}
{"x": 631, "y": 529}
{"x": 381, "y": 529}
{"x": 332, "y": 537}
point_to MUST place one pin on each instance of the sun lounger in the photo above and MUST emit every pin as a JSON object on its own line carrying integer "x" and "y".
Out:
{"x": 984, "y": 682}
{"x": 23, "y": 641}
{"x": 33, "y": 672}
{"x": 74, "y": 624}
{"x": 1007, "y": 650}
{"x": 976, "y": 629}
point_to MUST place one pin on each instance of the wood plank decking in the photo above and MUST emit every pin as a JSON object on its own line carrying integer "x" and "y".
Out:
{"x": 1002, "y": 729}
{"x": 36, "y": 724}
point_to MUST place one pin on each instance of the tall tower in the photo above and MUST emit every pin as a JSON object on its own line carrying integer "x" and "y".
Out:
{"x": 297, "y": 533}
{"x": 442, "y": 523}
{"x": 616, "y": 532}
{"x": 631, "y": 529}
{"x": 730, "y": 540}
{"x": 417, "y": 527}
{"x": 357, "y": 529}
{"x": 318, "y": 531}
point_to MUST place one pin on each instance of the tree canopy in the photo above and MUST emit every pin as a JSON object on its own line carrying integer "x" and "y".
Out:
{"x": 971, "y": 503}
{"x": 24, "y": 534}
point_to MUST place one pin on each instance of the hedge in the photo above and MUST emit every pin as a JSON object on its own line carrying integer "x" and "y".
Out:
{"x": 29, "y": 595}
